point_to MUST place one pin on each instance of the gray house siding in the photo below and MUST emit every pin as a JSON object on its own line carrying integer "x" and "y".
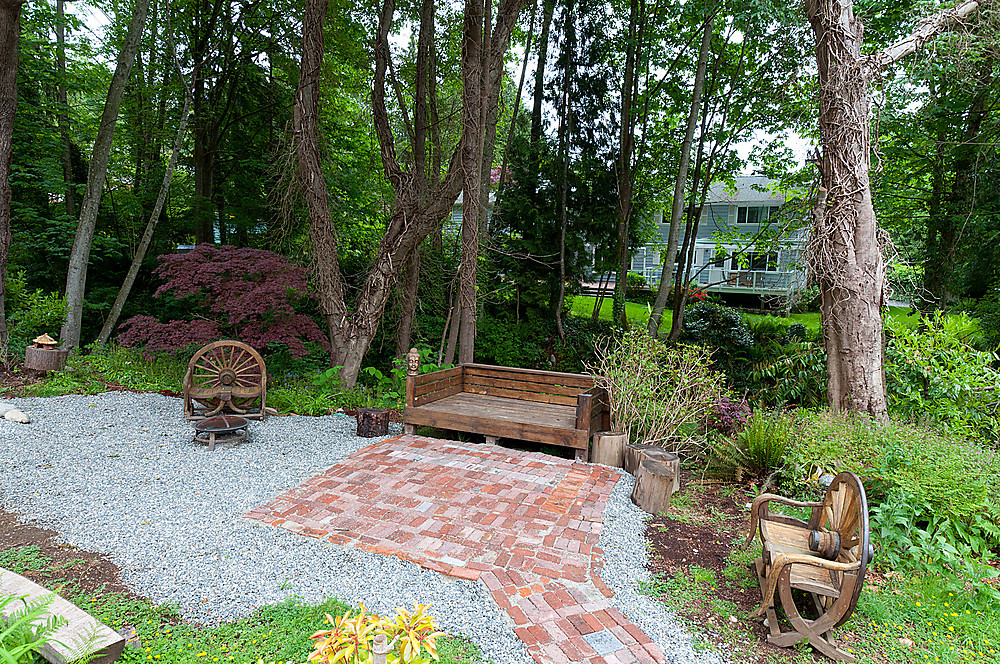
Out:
{"x": 745, "y": 211}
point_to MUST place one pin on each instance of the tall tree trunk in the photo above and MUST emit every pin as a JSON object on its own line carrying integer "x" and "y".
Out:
{"x": 626, "y": 173}
{"x": 548, "y": 9}
{"x": 564, "y": 143}
{"x": 472, "y": 164}
{"x": 154, "y": 217}
{"x": 680, "y": 184}
{"x": 10, "y": 30}
{"x": 408, "y": 303}
{"x": 76, "y": 278}
{"x": 69, "y": 194}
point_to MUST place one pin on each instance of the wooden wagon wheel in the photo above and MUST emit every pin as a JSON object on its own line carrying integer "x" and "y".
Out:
{"x": 845, "y": 510}
{"x": 225, "y": 375}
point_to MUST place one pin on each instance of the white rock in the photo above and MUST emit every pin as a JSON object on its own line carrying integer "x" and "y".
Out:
{"x": 14, "y": 415}
{"x": 4, "y": 407}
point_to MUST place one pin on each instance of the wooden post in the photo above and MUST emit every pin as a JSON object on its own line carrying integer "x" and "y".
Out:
{"x": 634, "y": 456}
{"x": 380, "y": 649}
{"x": 636, "y": 453}
{"x": 373, "y": 422}
{"x": 654, "y": 484}
{"x": 45, "y": 359}
{"x": 609, "y": 448}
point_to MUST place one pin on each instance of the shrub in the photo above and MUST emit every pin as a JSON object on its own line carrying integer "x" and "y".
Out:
{"x": 248, "y": 294}
{"x": 932, "y": 371}
{"x": 792, "y": 373}
{"x": 27, "y": 629}
{"x": 30, "y": 313}
{"x": 728, "y": 416}
{"x": 757, "y": 450}
{"x": 351, "y": 639}
{"x": 659, "y": 393}
{"x": 636, "y": 288}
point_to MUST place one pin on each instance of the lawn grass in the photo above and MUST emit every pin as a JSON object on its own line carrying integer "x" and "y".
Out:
{"x": 276, "y": 633}
{"x": 582, "y": 306}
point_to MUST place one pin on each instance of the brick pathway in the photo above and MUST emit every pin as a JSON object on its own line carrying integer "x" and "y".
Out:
{"x": 524, "y": 524}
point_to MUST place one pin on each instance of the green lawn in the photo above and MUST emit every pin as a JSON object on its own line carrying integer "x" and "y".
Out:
{"x": 638, "y": 314}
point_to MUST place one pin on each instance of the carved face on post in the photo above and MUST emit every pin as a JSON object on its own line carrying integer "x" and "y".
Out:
{"x": 413, "y": 361}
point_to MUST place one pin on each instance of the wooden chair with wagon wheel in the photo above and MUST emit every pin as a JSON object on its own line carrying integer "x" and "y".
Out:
{"x": 825, "y": 558}
{"x": 225, "y": 377}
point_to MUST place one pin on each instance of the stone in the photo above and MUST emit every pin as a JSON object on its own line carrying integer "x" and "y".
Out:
{"x": 4, "y": 407}
{"x": 604, "y": 642}
{"x": 15, "y": 415}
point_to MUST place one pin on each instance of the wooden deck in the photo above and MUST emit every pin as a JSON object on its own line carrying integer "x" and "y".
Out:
{"x": 503, "y": 402}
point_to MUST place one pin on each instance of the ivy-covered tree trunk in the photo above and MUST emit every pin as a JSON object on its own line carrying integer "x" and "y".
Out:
{"x": 844, "y": 255}
{"x": 10, "y": 29}
{"x": 76, "y": 277}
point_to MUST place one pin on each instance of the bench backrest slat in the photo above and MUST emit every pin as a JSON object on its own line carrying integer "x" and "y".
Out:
{"x": 515, "y": 383}
{"x": 523, "y": 395}
{"x": 533, "y": 376}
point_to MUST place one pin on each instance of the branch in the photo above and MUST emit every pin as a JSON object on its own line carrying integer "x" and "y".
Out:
{"x": 380, "y": 116}
{"x": 927, "y": 29}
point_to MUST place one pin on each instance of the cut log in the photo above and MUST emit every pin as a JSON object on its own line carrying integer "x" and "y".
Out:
{"x": 45, "y": 359}
{"x": 373, "y": 422}
{"x": 654, "y": 484}
{"x": 609, "y": 448}
{"x": 634, "y": 455}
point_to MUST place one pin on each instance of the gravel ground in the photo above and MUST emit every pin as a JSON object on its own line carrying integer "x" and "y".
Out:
{"x": 117, "y": 473}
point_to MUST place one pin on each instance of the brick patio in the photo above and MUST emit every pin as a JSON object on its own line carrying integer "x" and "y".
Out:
{"x": 524, "y": 524}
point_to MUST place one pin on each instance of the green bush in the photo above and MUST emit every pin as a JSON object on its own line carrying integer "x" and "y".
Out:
{"x": 757, "y": 450}
{"x": 933, "y": 372}
{"x": 31, "y": 312}
{"x": 659, "y": 393}
{"x": 928, "y": 492}
{"x": 127, "y": 367}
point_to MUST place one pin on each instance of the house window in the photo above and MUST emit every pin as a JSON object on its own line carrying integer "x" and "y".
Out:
{"x": 754, "y": 215}
{"x": 756, "y": 260}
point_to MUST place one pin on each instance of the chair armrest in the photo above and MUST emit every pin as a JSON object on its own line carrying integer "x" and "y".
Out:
{"x": 784, "y": 559}
{"x": 594, "y": 399}
{"x": 762, "y": 501}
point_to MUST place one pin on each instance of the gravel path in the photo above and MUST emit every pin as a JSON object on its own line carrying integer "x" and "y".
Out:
{"x": 117, "y": 473}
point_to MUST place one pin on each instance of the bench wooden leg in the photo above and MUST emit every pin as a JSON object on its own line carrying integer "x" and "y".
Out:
{"x": 409, "y": 429}
{"x": 492, "y": 440}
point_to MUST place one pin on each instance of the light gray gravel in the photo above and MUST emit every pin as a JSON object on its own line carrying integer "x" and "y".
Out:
{"x": 117, "y": 473}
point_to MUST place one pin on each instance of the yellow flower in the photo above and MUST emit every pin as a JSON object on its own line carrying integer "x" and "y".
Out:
{"x": 201, "y": 654}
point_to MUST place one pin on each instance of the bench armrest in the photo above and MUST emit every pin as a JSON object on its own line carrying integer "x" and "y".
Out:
{"x": 784, "y": 559}
{"x": 590, "y": 403}
{"x": 760, "y": 504}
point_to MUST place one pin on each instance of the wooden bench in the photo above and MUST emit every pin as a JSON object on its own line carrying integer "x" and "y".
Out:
{"x": 503, "y": 402}
{"x": 825, "y": 558}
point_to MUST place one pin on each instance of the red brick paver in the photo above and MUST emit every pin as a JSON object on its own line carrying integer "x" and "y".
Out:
{"x": 524, "y": 524}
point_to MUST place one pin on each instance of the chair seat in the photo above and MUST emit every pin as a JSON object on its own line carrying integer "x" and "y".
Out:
{"x": 782, "y": 538}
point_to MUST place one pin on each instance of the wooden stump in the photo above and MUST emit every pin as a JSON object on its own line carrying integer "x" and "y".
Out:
{"x": 654, "y": 484}
{"x": 45, "y": 359}
{"x": 373, "y": 422}
{"x": 636, "y": 453}
{"x": 609, "y": 448}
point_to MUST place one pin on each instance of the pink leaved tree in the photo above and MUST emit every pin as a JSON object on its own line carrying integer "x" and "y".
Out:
{"x": 244, "y": 294}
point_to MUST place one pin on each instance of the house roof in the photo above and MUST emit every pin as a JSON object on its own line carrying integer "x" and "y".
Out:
{"x": 749, "y": 189}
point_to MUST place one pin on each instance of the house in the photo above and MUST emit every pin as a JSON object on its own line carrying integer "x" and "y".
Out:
{"x": 724, "y": 258}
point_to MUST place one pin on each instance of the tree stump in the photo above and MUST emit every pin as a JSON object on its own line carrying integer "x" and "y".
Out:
{"x": 636, "y": 453}
{"x": 45, "y": 359}
{"x": 609, "y": 448}
{"x": 654, "y": 484}
{"x": 373, "y": 422}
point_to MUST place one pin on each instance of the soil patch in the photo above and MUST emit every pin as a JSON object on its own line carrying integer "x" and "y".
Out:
{"x": 92, "y": 572}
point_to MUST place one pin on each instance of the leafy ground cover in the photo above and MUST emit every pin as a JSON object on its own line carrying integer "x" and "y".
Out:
{"x": 278, "y": 633}
{"x": 701, "y": 571}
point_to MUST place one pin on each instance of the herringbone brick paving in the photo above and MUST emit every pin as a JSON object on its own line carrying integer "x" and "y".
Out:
{"x": 526, "y": 525}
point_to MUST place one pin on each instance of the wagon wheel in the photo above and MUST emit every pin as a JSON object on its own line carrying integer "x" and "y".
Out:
{"x": 845, "y": 510}
{"x": 225, "y": 375}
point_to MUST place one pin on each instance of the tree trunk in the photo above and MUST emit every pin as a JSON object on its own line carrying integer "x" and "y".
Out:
{"x": 680, "y": 184}
{"x": 626, "y": 174}
{"x": 69, "y": 194}
{"x": 154, "y": 217}
{"x": 408, "y": 303}
{"x": 548, "y": 8}
{"x": 472, "y": 160}
{"x": 10, "y": 30}
{"x": 564, "y": 141}
{"x": 76, "y": 278}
